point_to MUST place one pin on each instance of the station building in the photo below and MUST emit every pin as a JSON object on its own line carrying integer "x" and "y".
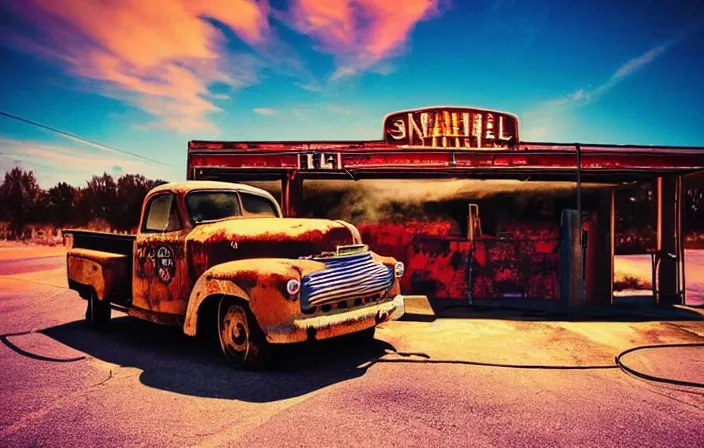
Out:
{"x": 495, "y": 220}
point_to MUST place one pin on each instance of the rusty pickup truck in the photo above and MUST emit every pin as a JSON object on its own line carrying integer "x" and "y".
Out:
{"x": 219, "y": 257}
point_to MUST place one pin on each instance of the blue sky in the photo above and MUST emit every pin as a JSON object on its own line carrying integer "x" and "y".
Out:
{"x": 146, "y": 77}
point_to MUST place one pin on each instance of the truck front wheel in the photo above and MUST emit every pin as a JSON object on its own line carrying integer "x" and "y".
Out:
{"x": 242, "y": 341}
{"x": 97, "y": 312}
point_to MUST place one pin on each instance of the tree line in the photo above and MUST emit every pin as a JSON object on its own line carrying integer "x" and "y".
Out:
{"x": 115, "y": 202}
{"x": 118, "y": 202}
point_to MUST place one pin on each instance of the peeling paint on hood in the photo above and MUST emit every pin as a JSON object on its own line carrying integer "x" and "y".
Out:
{"x": 236, "y": 239}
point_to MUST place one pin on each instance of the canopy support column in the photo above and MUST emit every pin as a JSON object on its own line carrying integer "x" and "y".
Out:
{"x": 669, "y": 240}
{"x": 604, "y": 250}
{"x": 291, "y": 194}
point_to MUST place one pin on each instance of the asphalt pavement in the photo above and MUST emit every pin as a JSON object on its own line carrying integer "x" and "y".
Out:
{"x": 140, "y": 384}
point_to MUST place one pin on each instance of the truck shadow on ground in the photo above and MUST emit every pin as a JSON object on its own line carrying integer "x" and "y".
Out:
{"x": 174, "y": 362}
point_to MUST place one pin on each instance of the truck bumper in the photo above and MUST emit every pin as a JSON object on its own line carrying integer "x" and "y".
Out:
{"x": 336, "y": 323}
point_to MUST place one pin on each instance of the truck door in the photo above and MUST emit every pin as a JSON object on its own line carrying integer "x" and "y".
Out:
{"x": 161, "y": 282}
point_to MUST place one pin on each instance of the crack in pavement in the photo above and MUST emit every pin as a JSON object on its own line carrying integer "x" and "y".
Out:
{"x": 37, "y": 282}
{"x": 686, "y": 330}
{"x": 62, "y": 400}
{"x": 58, "y": 403}
{"x": 226, "y": 434}
{"x": 675, "y": 399}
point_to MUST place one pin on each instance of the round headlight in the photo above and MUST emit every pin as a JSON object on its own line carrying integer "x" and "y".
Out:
{"x": 293, "y": 286}
{"x": 399, "y": 269}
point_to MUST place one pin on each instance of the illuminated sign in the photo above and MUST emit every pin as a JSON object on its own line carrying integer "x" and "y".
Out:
{"x": 452, "y": 127}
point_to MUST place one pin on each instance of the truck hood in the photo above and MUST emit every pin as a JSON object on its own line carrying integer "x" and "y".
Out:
{"x": 237, "y": 239}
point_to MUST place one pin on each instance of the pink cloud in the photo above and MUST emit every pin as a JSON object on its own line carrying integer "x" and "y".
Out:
{"x": 360, "y": 33}
{"x": 160, "y": 56}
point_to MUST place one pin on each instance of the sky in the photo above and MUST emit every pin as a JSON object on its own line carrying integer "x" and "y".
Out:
{"x": 142, "y": 78}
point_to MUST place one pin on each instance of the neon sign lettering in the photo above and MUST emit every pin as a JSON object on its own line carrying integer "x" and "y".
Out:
{"x": 452, "y": 127}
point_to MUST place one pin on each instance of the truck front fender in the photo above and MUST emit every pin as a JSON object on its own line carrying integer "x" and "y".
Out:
{"x": 205, "y": 287}
{"x": 260, "y": 282}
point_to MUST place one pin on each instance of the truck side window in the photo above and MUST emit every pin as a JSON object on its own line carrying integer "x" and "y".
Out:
{"x": 162, "y": 215}
{"x": 257, "y": 205}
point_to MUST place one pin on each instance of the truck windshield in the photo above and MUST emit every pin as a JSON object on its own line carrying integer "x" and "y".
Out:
{"x": 204, "y": 206}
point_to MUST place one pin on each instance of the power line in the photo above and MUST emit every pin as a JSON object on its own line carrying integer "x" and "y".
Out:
{"x": 83, "y": 140}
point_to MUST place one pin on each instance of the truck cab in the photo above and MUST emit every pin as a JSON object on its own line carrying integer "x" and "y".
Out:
{"x": 217, "y": 256}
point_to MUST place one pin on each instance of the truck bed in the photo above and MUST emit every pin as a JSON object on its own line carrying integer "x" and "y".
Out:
{"x": 113, "y": 251}
{"x": 102, "y": 241}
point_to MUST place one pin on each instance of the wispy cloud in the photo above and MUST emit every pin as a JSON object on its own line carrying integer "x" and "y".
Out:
{"x": 310, "y": 87}
{"x": 541, "y": 121}
{"x": 360, "y": 33}
{"x": 268, "y": 111}
{"x": 632, "y": 66}
{"x": 53, "y": 163}
{"x": 339, "y": 109}
{"x": 627, "y": 69}
{"x": 160, "y": 56}
{"x": 305, "y": 112}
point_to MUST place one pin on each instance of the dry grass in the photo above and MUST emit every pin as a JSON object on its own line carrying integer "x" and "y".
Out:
{"x": 17, "y": 250}
{"x": 694, "y": 241}
{"x": 50, "y": 235}
{"x": 624, "y": 282}
{"x": 632, "y": 272}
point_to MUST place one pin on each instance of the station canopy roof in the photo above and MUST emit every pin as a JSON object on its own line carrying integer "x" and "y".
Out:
{"x": 441, "y": 142}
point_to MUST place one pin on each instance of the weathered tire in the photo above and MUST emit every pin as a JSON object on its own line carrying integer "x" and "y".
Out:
{"x": 242, "y": 341}
{"x": 98, "y": 313}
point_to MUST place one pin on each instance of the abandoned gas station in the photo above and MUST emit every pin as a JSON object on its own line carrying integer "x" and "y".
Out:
{"x": 557, "y": 251}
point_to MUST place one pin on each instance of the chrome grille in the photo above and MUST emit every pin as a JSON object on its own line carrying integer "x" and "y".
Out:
{"x": 345, "y": 278}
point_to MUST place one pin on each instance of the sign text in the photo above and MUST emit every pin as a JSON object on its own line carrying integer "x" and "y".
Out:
{"x": 452, "y": 128}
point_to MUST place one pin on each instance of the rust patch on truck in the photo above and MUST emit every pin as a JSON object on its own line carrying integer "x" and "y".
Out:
{"x": 238, "y": 239}
{"x": 162, "y": 278}
{"x": 104, "y": 272}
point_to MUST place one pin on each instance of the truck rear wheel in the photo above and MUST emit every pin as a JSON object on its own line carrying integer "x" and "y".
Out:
{"x": 98, "y": 312}
{"x": 242, "y": 341}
